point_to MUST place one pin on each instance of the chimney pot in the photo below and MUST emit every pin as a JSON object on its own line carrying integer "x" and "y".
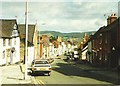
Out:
{"x": 111, "y": 18}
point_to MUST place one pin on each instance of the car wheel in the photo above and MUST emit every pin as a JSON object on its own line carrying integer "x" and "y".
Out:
{"x": 48, "y": 74}
{"x": 33, "y": 73}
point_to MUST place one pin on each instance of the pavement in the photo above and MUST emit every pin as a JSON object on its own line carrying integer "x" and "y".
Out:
{"x": 103, "y": 71}
{"x": 108, "y": 73}
{"x": 12, "y": 75}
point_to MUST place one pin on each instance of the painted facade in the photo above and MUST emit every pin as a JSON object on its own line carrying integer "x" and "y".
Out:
{"x": 9, "y": 42}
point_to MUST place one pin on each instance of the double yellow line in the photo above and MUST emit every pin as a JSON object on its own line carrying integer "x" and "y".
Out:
{"x": 40, "y": 82}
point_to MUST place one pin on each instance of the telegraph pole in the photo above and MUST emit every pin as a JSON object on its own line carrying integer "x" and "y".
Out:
{"x": 26, "y": 44}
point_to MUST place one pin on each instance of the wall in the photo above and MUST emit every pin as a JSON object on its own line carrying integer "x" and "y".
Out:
{"x": 30, "y": 54}
{"x": 1, "y": 52}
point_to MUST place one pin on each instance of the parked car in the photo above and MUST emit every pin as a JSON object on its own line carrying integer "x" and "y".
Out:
{"x": 70, "y": 56}
{"x": 41, "y": 66}
{"x": 50, "y": 60}
{"x": 76, "y": 54}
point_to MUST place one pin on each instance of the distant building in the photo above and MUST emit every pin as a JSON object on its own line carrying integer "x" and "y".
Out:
{"x": 59, "y": 39}
{"x": 56, "y": 46}
{"x": 44, "y": 47}
{"x": 83, "y": 50}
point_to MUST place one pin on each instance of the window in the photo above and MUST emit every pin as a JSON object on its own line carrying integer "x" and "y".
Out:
{"x": 3, "y": 42}
{"x": 100, "y": 34}
{"x": 100, "y": 58}
{"x": 105, "y": 57}
{"x": 15, "y": 42}
{"x": 3, "y": 54}
{"x": 9, "y": 42}
{"x": 106, "y": 41}
{"x": 100, "y": 40}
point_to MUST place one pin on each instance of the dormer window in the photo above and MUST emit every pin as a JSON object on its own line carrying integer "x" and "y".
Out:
{"x": 15, "y": 31}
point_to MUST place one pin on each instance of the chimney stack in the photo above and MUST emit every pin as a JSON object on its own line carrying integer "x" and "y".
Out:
{"x": 111, "y": 18}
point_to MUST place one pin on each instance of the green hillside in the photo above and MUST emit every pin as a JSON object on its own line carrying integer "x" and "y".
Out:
{"x": 66, "y": 35}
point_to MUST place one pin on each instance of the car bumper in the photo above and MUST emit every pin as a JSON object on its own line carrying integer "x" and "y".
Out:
{"x": 41, "y": 71}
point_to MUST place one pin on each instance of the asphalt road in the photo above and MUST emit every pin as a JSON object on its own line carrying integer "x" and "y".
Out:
{"x": 66, "y": 73}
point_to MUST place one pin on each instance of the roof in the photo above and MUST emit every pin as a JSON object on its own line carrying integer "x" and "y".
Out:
{"x": 6, "y": 27}
{"x": 94, "y": 36}
{"x": 45, "y": 40}
{"x": 112, "y": 25}
{"x": 103, "y": 29}
{"x": 31, "y": 29}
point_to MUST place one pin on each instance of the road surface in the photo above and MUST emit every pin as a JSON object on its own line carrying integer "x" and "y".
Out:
{"x": 67, "y": 73}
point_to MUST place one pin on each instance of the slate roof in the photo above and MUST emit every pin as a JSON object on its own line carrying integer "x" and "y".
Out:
{"x": 31, "y": 29}
{"x": 104, "y": 28}
{"x": 6, "y": 27}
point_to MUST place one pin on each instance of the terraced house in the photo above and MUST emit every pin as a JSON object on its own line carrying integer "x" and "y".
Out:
{"x": 104, "y": 45}
{"x": 32, "y": 41}
{"x": 9, "y": 42}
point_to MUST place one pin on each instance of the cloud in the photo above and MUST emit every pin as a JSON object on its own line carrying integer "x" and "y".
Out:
{"x": 63, "y": 16}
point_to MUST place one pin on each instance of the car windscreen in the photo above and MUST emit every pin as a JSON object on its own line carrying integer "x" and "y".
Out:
{"x": 41, "y": 62}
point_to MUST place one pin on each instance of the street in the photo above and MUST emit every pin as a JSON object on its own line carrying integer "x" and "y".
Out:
{"x": 66, "y": 73}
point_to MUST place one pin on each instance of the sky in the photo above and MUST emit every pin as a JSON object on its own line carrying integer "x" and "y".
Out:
{"x": 61, "y": 15}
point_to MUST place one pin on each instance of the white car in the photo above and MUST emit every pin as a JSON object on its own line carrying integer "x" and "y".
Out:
{"x": 76, "y": 56}
{"x": 41, "y": 66}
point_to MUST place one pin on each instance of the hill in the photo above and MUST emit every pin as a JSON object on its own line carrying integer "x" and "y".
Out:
{"x": 66, "y": 35}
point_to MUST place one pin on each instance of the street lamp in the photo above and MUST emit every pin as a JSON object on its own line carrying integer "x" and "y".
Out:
{"x": 26, "y": 44}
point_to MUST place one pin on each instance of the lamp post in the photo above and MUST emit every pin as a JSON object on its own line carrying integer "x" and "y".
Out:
{"x": 26, "y": 44}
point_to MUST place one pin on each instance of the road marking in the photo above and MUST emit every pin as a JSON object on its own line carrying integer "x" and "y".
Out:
{"x": 34, "y": 81}
{"x": 40, "y": 82}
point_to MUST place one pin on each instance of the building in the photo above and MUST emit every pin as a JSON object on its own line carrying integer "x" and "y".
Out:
{"x": 105, "y": 44}
{"x": 44, "y": 47}
{"x": 84, "y": 48}
{"x": 56, "y": 46}
{"x": 9, "y": 42}
{"x": 32, "y": 44}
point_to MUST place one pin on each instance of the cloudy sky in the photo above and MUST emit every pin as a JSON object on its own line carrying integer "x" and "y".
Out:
{"x": 61, "y": 15}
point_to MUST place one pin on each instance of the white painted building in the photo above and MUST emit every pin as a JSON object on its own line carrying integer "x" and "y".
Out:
{"x": 51, "y": 52}
{"x": 32, "y": 41}
{"x": 9, "y": 42}
{"x": 64, "y": 47}
{"x": 84, "y": 53}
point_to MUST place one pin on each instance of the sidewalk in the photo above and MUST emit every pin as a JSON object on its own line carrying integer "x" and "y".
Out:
{"x": 101, "y": 71}
{"x": 12, "y": 75}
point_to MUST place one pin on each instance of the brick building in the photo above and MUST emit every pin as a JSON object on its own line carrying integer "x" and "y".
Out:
{"x": 105, "y": 43}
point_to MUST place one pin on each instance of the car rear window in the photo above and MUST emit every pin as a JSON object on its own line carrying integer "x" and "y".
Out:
{"x": 41, "y": 62}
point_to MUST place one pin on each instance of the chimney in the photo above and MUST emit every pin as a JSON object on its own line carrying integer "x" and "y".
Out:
{"x": 108, "y": 20}
{"x": 111, "y": 18}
